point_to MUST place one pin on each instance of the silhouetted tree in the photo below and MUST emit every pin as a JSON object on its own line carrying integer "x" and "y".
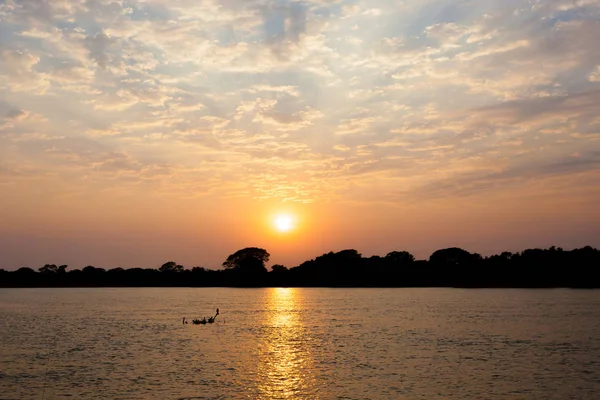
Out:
{"x": 25, "y": 271}
{"x": 453, "y": 256}
{"x": 48, "y": 269}
{"x": 278, "y": 269}
{"x": 170, "y": 267}
{"x": 348, "y": 259}
{"x": 93, "y": 270}
{"x": 399, "y": 258}
{"x": 453, "y": 267}
{"x": 248, "y": 260}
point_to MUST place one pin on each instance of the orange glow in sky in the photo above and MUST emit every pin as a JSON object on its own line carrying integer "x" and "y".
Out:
{"x": 149, "y": 131}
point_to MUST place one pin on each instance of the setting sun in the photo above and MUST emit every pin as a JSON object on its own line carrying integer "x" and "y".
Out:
{"x": 284, "y": 223}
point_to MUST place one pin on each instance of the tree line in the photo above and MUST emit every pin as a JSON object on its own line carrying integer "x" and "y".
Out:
{"x": 451, "y": 267}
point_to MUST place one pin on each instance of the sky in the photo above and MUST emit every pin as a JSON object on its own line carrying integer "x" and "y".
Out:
{"x": 138, "y": 132}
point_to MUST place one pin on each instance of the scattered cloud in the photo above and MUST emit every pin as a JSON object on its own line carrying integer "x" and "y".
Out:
{"x": 431, "y": 96}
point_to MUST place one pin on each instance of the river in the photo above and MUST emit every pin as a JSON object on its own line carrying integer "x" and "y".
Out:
{"x": 299, "y": 344}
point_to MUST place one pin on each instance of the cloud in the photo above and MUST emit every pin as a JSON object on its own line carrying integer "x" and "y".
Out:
{"x": 15, "y": 114}
{"x": 317, "y": 93}
{"x": 477, "y": 182}
{"x": 18, "y": 72}
{"x": 585, "y": 104}
{"x": 98, "y": 46}
{"x": 284, "y": 26}
{"x": 283, "y": 89}
{"x": 595, "y": 75}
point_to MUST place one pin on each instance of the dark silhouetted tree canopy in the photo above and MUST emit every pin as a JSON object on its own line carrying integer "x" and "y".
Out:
{"x": 451, "y": 267}
{"x": 278, "y": 268}
{"x": 453, "y": 256}
{"x": 53, "y": 269}
{"x": 171, "y": 267}
{"x": 248, "y": 260}
{"x": 25, "y": 271}
{"x": 399, "y": 258}
{"x": 93, "y": 270}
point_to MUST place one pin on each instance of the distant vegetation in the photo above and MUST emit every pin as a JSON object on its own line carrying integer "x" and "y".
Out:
{"x": 452, "y": 267}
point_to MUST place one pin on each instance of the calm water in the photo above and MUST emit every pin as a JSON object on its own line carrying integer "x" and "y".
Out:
{"x": 300, "y": 344}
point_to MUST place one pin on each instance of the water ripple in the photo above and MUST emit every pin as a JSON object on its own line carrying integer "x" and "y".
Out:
{"x": 299, "y": 344}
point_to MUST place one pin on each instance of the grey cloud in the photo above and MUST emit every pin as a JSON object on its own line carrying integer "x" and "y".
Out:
{"x": 477, "y": 182}
{"x": 203, "y": 139}
{"x": 277, "y": 151}
{"x": 104, "y": 9}
{"x": 38, "y": 10}
{"x": 4, "y": 107}
{"x": 12, "y": 171}
{"x": 297, "y": 15}
{"x": 283, "y": 117}
{"x": 578, "y": 104}
{"x": 284, "y": 25}
{"x": 110, "y": 163}
{"x": 15, "y": 114}
{"x": 572, "y": 164}
{"x": 98, "y": 46}
{"x": 360, "y": 167}
{"x": 542, "y": 46}
{"x": 566, "y": 41}
{"x": 10, "y": 112}
{"x": 566, "y": 165}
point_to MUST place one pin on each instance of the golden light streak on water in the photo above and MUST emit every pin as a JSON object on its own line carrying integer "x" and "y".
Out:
{"x": 285, "y": 358}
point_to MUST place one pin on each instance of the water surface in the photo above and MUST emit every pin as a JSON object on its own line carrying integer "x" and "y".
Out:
{"x": 299, "y": 344}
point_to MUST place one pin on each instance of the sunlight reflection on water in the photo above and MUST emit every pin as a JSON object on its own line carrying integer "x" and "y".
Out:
{"x": 284, "y": 366}
{"x": 379, "y": 344}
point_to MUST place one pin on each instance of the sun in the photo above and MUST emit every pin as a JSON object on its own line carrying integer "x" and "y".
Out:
{"x": 284, "y": 223}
